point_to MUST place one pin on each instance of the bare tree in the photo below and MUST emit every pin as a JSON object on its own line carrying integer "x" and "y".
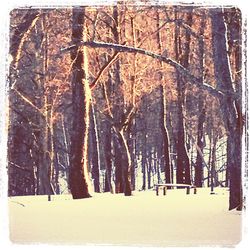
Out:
{"x": 78, "y": 174}
{"x": 230, "y": 106}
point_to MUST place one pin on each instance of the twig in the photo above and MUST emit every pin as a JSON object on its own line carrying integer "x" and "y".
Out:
{"x": 18, "y": 203}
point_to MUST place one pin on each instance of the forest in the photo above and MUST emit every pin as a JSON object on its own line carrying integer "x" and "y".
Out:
{"x": 119, "y": 98}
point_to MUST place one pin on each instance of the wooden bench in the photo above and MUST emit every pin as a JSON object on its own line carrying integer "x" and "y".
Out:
{"x": 164, "y": 186}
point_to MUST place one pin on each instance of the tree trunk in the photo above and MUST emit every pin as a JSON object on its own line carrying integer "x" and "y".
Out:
{"x": 227, "y": 169}
{"x": 183, "y": 164}
{"x": 125, "y": 163}
{"x": 119, "y": 184}
{"x": 43, "y": 173}
{"x": 199, "y": 161}
{"x": 78, "y": 174}
{"x": 144, "y": 144}
{"x": 163, "y": 117}
{"x": 96, "y": 152}
{"x": 230, "y": 107}
{"x": 67, "y": 148}
{"x": 144, "y": 161}
{"x": 213, "y": 164}
{"x": 132, "y": 151}
{"x": 107, "y": 157}
{"x": 167, "y": 164}
{"x": 201, "y": 109}
{"x": 46, "y": 164}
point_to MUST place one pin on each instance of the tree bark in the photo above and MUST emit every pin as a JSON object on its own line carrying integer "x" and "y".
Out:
{"x": 107, "y": 157}
{"x": 163, "y": 117}
{"x": 167, "y": 164}
{"x": 199, "y": 161}
{"x": 43, "y": 169}
{"x": 183, "y": 164}
{"x": 46, "y": 157}
{"x": 144, "y": 142}
{"x": 201, "y": 109}
{"x": 231, "y": 114}
{"x": 78, "y": 175}
{"x": 96, "y": 152}
{"x": 123, "y": 162}
{"x": 213, "y": 164}
{"x": 119, "y": 180}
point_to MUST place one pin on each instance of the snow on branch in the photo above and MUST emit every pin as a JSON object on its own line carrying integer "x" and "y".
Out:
{"x": 129, "y": 49}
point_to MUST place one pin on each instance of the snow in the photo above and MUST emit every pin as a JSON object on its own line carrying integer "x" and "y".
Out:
{"x": 143, "y": 219}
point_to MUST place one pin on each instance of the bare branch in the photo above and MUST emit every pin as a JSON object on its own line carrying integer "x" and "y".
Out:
{"x": 197, "y": 148}
{"x": 19, "y": 167}
{"x": 182, "y": 24}
{"x": 20, "y": 35}
{"x": 128, "y": 117}
{"x": 105, "y": 95}
{"x": 104, "y": 68}
{"x": 25, "y": 99}
{"x": 182, "y": 70}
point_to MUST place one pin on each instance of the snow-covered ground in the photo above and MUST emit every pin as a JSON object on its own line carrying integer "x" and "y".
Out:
{"x": 143, "y": 219}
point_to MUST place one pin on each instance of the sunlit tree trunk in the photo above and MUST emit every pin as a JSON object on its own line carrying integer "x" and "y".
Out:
{"x": 78, "y": 174}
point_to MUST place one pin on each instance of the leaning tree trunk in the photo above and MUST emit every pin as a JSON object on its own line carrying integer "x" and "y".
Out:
{"x": 78, "y": 173}
{"x": 229, "y": 104}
